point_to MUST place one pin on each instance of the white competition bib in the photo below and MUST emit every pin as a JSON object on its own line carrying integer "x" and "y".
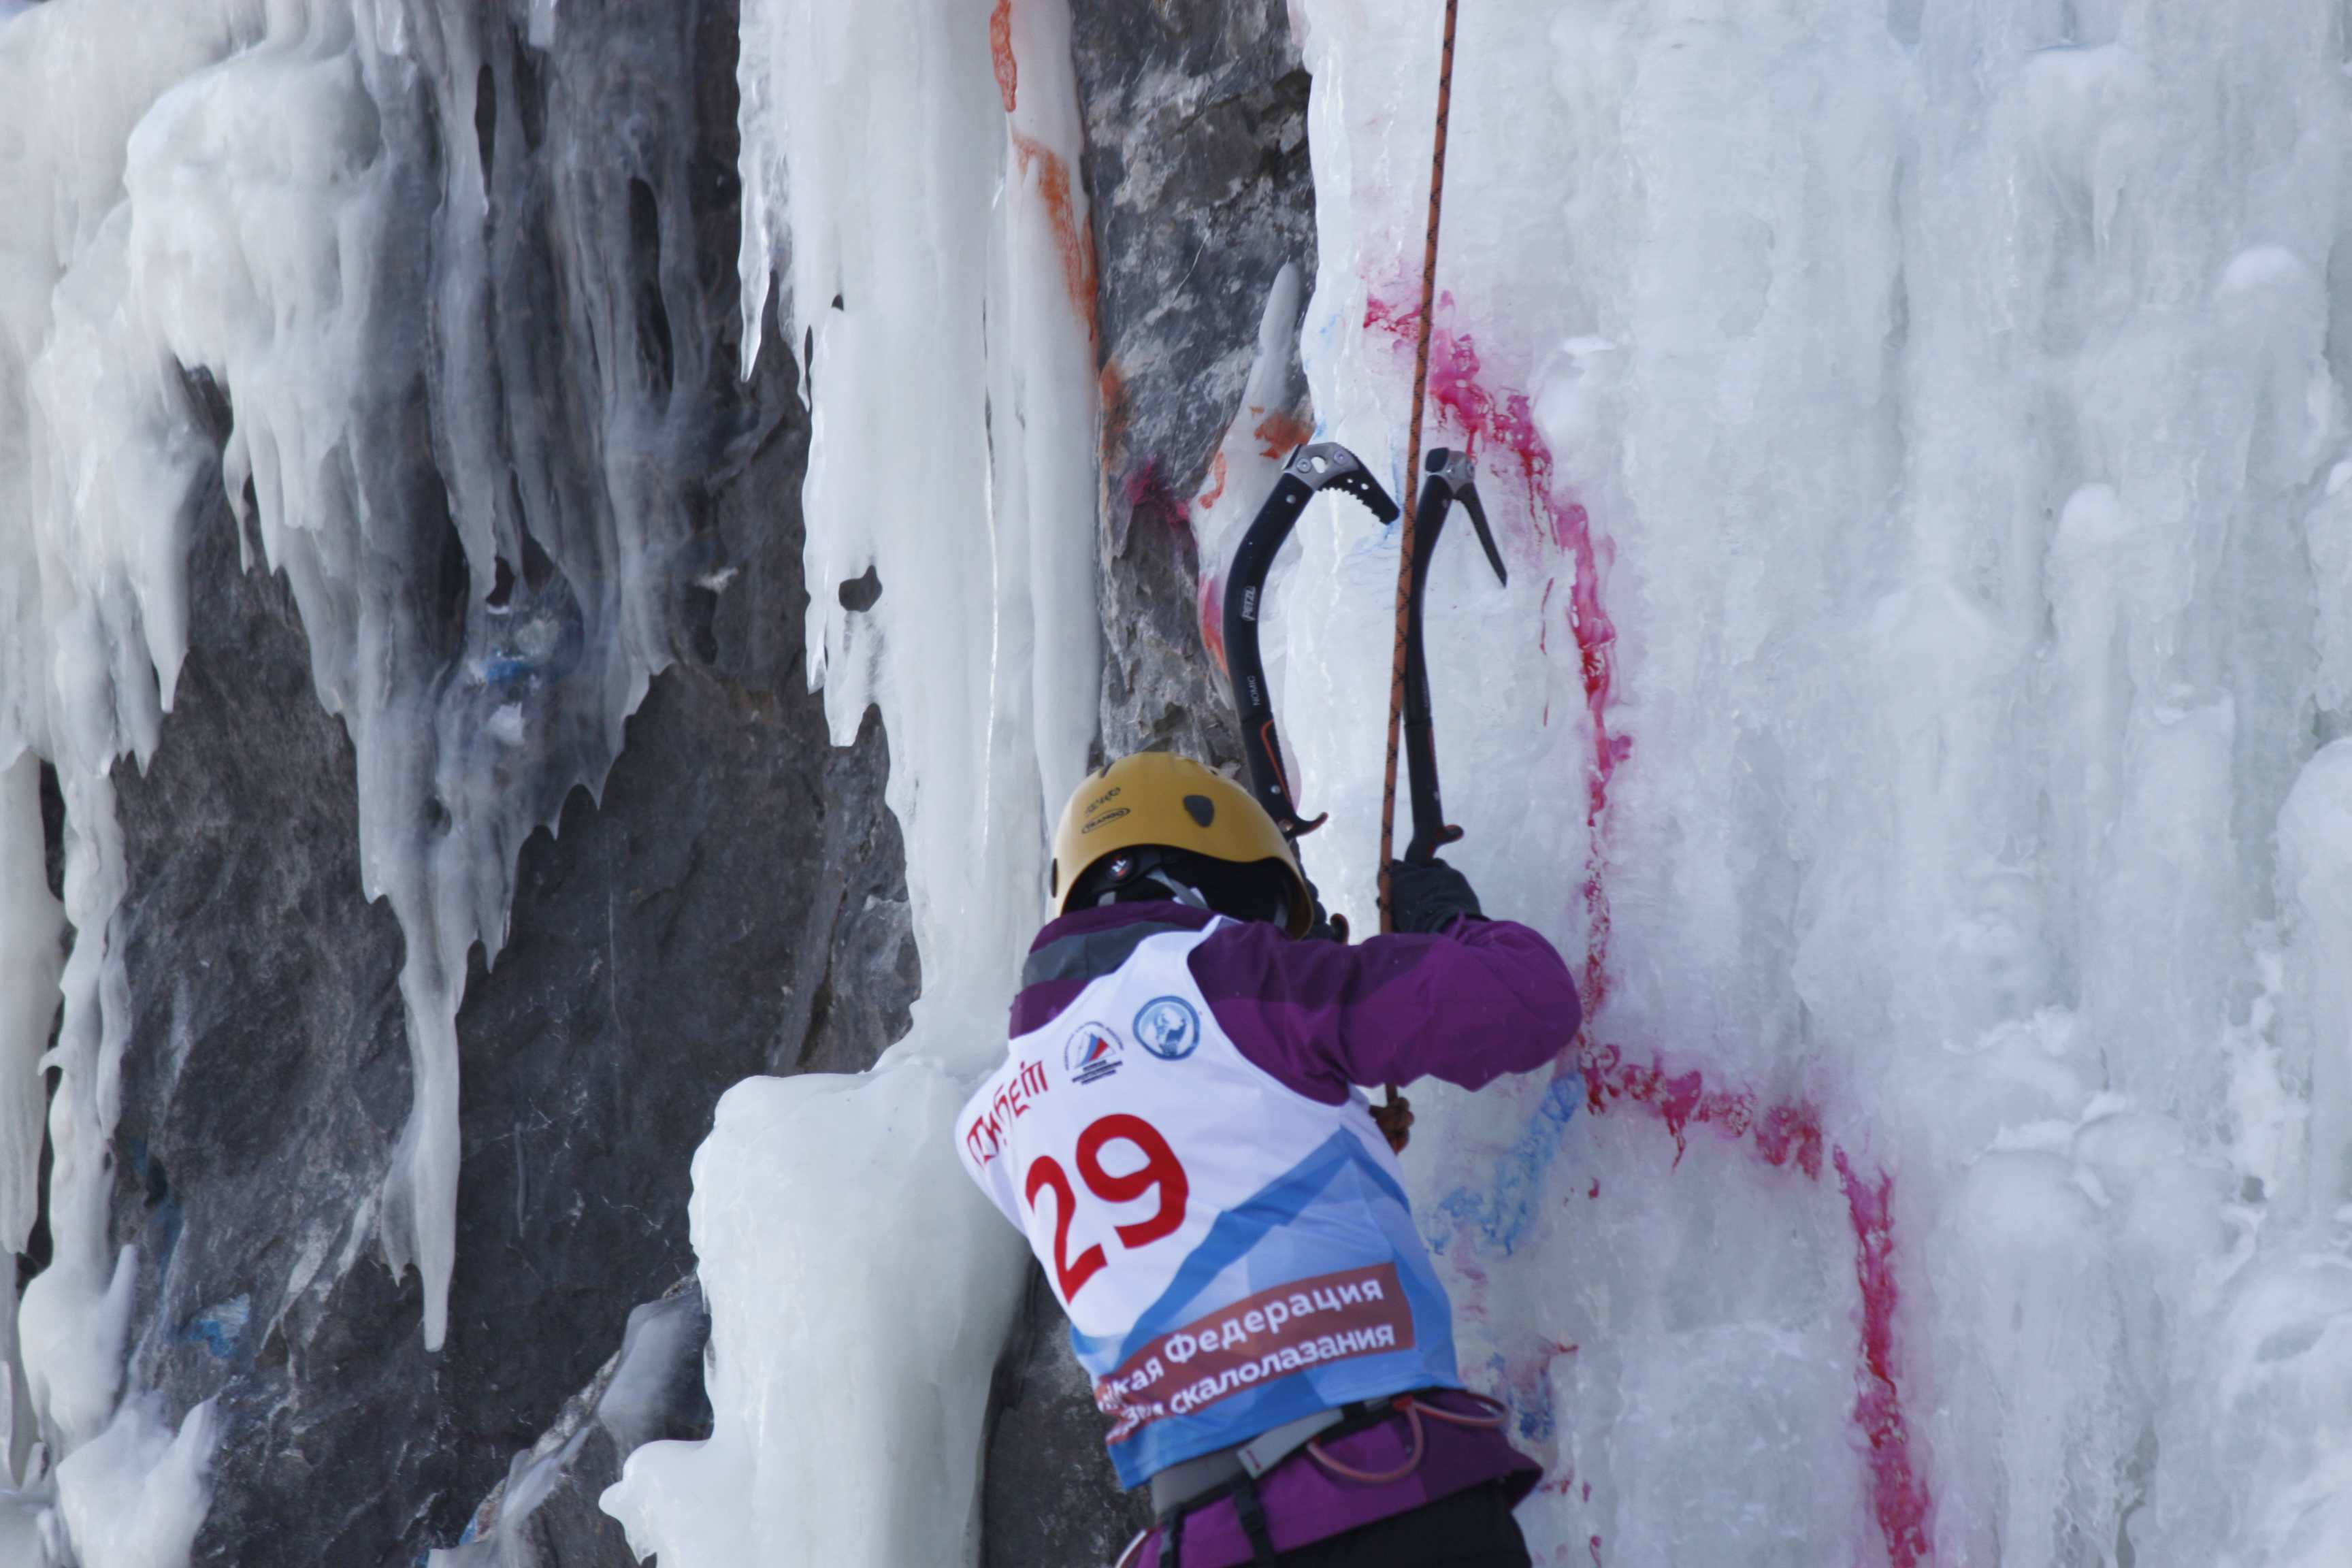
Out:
{"x": 1232, "y": 1254}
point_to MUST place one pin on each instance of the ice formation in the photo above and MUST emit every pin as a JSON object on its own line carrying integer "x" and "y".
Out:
{"x": 1915, "y": 426}
{"x": 225, "y": 229}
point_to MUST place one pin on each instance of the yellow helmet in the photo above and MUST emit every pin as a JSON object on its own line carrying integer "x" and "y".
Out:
{"x": 1159, "y": 797}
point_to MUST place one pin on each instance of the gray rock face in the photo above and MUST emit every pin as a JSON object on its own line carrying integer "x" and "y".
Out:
{"x": 1197, "y": 172}
{"x": 734, "y": 900}
{"x": 656, "y": 940}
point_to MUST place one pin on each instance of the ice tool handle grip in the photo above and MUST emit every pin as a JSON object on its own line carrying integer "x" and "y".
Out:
{"x": 1452, "y": 477}
{"x": 1320, "y": 466}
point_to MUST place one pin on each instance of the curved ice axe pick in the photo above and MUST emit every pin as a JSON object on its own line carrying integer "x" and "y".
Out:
{"x": 1451, "y": 477}
{"x": 1323, "y": 464}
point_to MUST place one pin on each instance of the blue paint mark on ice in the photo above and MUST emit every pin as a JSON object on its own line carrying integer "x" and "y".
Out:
{"x": 1531, "y": 1401}
{"x": 1503, "y": 1214}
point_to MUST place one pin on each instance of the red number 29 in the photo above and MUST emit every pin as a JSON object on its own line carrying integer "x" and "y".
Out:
{"x": 1046, "y": 1172}
{"x": 1161, "y": 1169}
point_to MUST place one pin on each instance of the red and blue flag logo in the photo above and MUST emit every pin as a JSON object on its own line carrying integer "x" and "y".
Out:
{"x": 1094, "y": 1052}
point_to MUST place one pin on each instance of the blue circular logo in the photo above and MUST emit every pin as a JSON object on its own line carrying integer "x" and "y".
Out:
{"x": 1168, "y": 1028}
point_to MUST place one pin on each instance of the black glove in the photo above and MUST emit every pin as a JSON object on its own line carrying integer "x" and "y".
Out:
{"x": 1423, "y": 899}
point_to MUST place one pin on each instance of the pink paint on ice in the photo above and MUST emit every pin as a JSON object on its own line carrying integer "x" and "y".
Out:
{"x": 1505, "y": 423}
{"x": 1897, "y": 1492}
{"x": 1782, "y": 1134}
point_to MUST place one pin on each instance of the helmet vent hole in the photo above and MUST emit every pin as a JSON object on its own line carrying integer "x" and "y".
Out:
{"x": 1200, "y": 809}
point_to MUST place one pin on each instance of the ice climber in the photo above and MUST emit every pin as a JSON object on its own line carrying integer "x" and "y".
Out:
{"x": 1176, "y": 1130}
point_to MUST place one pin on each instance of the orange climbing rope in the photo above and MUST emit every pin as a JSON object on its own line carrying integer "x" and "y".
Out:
{"x": 1395, "y": 1116}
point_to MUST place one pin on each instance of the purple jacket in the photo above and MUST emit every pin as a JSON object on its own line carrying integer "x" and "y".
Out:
{"x": 1484, "y": 998}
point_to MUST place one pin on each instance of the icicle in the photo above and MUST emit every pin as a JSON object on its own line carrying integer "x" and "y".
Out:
{"x": 32, "y": 922}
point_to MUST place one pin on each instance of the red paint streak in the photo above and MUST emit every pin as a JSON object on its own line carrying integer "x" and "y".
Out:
{"x": 1784, "y": 1135}
{"x": 1505, "y": 421}
{"x": 1147, "y": 490}
{"x": 1595, "y": 1544}
{"x": 1781, "y": 1136}
{"x": 999, "y": 47}
{"x": 1071, "y": 240}
{"x": 1898, "y": 1494}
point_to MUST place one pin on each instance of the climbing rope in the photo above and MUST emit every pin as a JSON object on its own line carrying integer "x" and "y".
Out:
{"x": 1493, "y": 1414}
{"x": 1396, "y": 1115}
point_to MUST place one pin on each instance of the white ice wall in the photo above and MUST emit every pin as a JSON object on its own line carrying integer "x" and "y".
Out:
{"x": 1916, "y": 440}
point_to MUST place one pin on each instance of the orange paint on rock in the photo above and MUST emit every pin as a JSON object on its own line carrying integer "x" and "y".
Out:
{"x": 999, "y": 46}
{"x": 1110, "y": 384}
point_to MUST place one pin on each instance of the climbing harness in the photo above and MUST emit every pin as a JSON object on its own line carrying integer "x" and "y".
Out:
{"x": 1413, "y": 1410}
{"x": 1235, "y": 1472}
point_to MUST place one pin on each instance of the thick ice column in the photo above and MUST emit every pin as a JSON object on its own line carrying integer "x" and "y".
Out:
{"x": 967, "y": 488}
{"x": 1046, "y": 441}
{"x": 860, "y": 1289}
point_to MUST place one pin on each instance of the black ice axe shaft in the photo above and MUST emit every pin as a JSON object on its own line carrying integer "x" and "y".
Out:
{"x": 1324, "y": 465}
{"x": 1451, "y": 477}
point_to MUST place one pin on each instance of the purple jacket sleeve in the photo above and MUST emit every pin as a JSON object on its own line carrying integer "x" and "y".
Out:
{"x": 1483, "y": 998}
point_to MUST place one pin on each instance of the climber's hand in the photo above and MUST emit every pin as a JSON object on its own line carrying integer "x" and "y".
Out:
{"x": 1427, "y": 898}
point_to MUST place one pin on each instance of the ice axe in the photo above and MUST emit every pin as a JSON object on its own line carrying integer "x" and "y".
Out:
{"x": 1451, "y": 477}
{"x": 1319, "y": 466}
